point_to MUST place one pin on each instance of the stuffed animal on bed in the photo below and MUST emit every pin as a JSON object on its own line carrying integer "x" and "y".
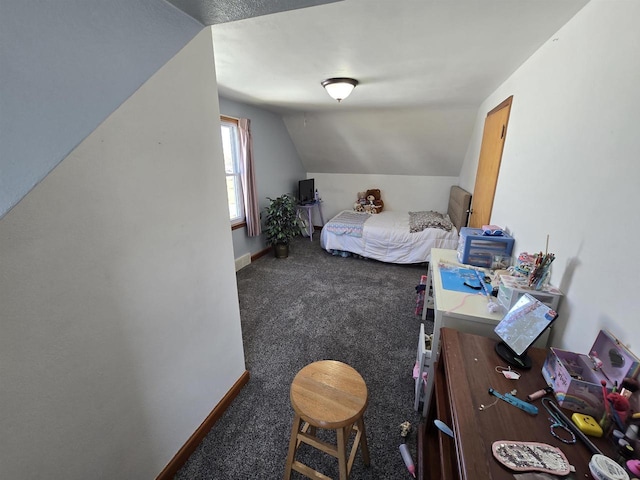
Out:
{"x": 374, "y": 201}
{"x": 360, "y": 202}
{"x": 370, "y": 207}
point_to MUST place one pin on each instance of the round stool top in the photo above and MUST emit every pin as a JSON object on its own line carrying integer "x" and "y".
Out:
{"x": 329, "y": 394}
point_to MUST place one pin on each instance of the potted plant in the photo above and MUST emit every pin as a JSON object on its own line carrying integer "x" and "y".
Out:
{"x": 281, "y": 223}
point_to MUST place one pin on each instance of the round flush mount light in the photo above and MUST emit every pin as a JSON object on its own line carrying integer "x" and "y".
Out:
{"x": 339, "y": 88}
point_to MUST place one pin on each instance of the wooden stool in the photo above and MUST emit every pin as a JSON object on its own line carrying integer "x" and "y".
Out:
{"x": 333, "y": 396}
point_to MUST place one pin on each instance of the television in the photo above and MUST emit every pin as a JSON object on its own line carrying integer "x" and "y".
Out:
{"x": 306, "y": 191}
{"x": 527, "y": 319}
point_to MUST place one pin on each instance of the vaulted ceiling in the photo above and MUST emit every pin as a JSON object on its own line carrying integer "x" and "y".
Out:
{"x": 424, "y": 67}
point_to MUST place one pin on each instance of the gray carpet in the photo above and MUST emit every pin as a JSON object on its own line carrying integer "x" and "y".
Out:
{"x": 307, "y": 307}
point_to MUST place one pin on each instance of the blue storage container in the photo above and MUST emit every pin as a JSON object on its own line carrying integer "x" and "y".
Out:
{"x": 475, "y": 248}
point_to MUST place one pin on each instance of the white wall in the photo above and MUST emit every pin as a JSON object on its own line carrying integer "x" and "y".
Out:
{"x": 570, "y": 168}
{"x": 64, "y": 67}
{"x": 398, "y": 192}
{"x": 277, "y": 165}
{"x": 120, "y": 321}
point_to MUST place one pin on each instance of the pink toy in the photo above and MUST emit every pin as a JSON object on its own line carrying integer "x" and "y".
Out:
{"x": 634, "y": 466}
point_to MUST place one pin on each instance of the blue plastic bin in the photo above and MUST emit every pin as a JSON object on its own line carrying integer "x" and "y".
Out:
{"x": 475, "y": 248}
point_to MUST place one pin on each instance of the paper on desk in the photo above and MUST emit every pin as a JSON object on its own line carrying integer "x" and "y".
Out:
{"x": 454, "y": 278}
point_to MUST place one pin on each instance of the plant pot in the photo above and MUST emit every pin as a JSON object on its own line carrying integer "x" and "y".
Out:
{"x": 281, "y": 250}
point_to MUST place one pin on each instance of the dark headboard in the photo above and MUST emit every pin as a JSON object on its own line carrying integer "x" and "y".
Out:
{"x": 459, "y": 205}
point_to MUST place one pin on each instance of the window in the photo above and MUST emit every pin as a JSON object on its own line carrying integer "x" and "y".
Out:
{"x": 232, "y": 166}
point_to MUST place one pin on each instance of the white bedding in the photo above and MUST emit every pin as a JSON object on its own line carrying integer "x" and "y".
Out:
{"x": 386, "y": 238}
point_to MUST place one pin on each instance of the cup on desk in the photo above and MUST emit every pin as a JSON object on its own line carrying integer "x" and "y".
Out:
{"x": 542, "y": 280}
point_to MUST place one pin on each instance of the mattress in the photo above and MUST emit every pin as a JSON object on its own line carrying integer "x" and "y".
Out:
{"x": 386, "y": 237}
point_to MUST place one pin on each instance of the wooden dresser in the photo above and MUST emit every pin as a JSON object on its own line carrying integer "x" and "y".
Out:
{"x": 464, "y": 373}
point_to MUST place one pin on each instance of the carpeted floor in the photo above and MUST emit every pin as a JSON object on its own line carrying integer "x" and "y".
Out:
{"x": 307, "y": 307}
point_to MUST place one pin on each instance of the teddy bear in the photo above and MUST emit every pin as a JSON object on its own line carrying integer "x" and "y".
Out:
{"x": 374, "y": 201}
{"x": 370, "y": 207}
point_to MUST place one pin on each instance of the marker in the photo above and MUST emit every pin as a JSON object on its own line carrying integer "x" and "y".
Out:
{"x": 604, "y": 395}
{"x": 614, "y": 414}
{"x": 408, "y": 461}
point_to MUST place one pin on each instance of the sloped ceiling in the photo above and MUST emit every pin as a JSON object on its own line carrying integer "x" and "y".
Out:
{"x": 424, "y": 67}
{"x": 211, "y": 12}
{"x": 65, "y": 67}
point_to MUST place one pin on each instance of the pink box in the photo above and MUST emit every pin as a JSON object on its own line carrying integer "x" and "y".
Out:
{"x": 576, "y": 382}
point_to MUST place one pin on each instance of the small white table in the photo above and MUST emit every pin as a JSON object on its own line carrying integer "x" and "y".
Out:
{"x": 309, "y": 207}
{"x": 462, "y": 311}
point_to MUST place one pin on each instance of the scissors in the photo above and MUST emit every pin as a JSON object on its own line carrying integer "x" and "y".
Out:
{"x": 558, "y": 423}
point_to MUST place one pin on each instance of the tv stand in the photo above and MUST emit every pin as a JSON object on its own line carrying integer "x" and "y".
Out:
{"x": 309, "y": 207}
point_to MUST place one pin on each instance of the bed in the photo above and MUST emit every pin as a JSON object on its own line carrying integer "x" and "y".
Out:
{"x": 386, "y": 236}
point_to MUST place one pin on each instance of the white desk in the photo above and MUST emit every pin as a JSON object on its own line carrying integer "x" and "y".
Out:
{"x": 309, "y": 207}
{"x": 462, "y": 311}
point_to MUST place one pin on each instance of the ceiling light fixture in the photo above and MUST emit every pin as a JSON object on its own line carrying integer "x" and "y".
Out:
{"x": 339, "y": 88}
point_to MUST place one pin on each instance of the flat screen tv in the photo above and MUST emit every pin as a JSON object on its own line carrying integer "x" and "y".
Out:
{"x": 306, "y": 191}
{"x": 521, "y": 327}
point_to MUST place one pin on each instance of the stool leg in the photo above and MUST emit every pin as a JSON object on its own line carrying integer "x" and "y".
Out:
{"x": 343, "y": 437}
{"x": 364, "y": 447}
{"x": 292, "y": 446}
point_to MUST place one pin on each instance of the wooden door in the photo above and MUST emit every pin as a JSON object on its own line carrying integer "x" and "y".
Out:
{"x": 493, "y": 137}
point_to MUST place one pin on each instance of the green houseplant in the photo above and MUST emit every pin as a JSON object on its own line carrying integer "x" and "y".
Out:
{"x": 281, "y": 223}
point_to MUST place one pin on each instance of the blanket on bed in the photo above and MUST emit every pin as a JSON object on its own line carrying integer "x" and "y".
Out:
{"x": 418, "y": 221}
{"x": 348, "y": 223}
